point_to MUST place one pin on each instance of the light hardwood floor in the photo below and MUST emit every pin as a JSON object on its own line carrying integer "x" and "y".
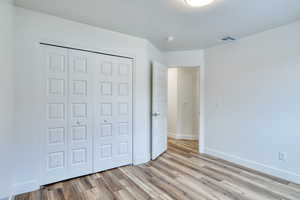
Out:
{"x": 180, "y": 173}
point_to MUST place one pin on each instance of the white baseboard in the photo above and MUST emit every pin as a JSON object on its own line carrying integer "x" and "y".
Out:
{"x": 172, "y": 135}
{"x": 183, "y": 137}
{"x": 284, "y": 174}
{"x": 187, "y": 137}
{"x": 24, "y": 187}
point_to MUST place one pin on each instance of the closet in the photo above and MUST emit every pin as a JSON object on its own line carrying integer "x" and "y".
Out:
{"x": 88, "y": 113}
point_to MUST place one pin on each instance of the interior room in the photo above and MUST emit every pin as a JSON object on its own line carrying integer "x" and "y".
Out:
{"x": 139, "y": 100}
{"x": 183, "y": 108}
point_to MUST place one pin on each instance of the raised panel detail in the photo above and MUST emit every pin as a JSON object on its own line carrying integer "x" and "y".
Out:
{"x": 56, "y": 63}
{"x": 106, "y": 89}
{"x": 56, "y": 136}
{"x": 123, "y": 89}
{"x": 106, "y": 151}
{"x": 106, "y": 109}
{"x": 79, "y": 156}
{"x": 123, "y": 69}
{"x": 123, "y": 148}
{"x": 106, "y": 130}
{"x": 56, "y": 87}
{"x": 123, "y": 128}
{"x": 79, "y": 110}
{"x": 80, "y": 65}
{"x": 123, "y": 108}
{"x": 56, "y": 160}
{"x": 80, "y": 88}
{"x": 56, "y": 111}
{"x": 106, "y": 68}
{"x": 79, "y": 133}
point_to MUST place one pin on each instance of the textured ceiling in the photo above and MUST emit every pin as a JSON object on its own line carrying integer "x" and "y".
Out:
{"x": 155, "y": 20}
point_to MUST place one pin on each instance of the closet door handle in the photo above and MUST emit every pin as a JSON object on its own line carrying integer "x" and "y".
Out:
{"x": 156, "y": 114}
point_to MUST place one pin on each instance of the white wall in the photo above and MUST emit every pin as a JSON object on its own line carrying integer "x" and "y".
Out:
{"x": 172, "y": 101}
{"x": 32, "y": 28}
{"x": 253, "y": 101}
{"x": 187, "y": 103}
{"x": 7, "y": 97}
{"x": 190, "y": 58}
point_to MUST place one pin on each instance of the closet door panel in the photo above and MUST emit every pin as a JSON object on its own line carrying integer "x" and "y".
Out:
{"x": 113, "y": 113}
{"x": 55, "y": 99}
{"x": 87, "y": 113}
{"x": 81, "y": 71}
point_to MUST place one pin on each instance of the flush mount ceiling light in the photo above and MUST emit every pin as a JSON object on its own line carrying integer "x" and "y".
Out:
{"x": 199, "y": 3}
{"x": 170, "y": 39}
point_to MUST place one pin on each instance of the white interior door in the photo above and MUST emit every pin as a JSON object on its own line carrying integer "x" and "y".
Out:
{"x": 80, "y": 113}
{"x": 68, "y": 96}
{"x": 55, "y": 127}
{"x": 113, "y": 113}
{"x": 159, "y": 109}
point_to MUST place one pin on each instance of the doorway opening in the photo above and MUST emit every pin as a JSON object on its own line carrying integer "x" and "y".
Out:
{"x": 184, "y": 109}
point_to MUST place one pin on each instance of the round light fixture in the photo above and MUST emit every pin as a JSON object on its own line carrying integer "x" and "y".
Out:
{"x": 170, "y": 39}
{"x": 199, "y": 3}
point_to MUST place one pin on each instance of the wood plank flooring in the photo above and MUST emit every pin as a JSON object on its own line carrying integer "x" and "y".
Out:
{"x": 189, "y": 145}
{"x": 181, "y": 173}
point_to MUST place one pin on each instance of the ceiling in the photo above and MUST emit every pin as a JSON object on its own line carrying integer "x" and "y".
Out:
{"x": 155, "y": 20}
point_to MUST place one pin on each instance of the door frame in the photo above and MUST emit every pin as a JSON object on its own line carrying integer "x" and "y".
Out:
{"x": 201, "y": 111}
{"x": 60, "y": 44}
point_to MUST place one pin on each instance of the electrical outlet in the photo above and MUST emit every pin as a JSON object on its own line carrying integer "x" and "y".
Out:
{"x": 282, "y": 156}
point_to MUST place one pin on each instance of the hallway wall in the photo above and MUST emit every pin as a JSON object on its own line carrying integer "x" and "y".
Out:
{"x": 172, "y": 101}
{"x": 183, "y": 103}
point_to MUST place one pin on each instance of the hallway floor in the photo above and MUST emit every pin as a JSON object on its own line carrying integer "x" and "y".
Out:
{"x": 189, "y": 145}
{"x": 180, "y": 173}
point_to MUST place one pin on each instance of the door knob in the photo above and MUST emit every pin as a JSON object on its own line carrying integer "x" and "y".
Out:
{"x": 78, "y": 122}
{"x": 156, "y": 114}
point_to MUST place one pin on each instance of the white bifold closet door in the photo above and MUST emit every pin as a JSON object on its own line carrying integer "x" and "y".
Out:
{"x": 88, "y": 113}
{"x": 113, "y": 113}
{"x": 80, "y": 113}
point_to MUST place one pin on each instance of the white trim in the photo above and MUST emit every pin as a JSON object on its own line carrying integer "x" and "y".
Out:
{"x": 172, "y": 135}
{"x": 202, "y": 106}
{"x": 182, "y": 136}
{"x": 187, "y": 137}
{"x": 24, "y": 187}
{"x": 288, "y": 175}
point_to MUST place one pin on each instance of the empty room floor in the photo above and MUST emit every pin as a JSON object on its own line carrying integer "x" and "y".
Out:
{"x": 180, "y": 173}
